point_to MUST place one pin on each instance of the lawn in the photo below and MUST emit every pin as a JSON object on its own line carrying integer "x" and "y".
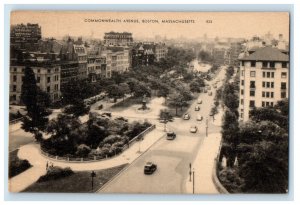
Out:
{"x": 124, "y": 104}
{"x": 79, "y": 182}
{"x": 16, "y": 165}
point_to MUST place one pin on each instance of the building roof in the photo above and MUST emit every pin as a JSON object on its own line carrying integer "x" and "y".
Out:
{"x": 267, "y": 54}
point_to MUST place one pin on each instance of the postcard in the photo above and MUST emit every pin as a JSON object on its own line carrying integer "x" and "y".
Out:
{"x": 149, "y": 102}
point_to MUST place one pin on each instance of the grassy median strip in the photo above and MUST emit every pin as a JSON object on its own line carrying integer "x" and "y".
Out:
{"x": 16, "y": 165}
{"x": 79, "y": 182}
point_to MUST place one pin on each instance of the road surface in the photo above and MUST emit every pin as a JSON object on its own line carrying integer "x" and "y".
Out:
{"x": 172, "y": 157}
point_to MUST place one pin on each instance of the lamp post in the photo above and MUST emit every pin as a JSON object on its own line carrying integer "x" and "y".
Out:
{"x": 190, "y": 172}
{"x": 206, "y": 126}
{"x": 93, "y": 174}
{"x": 193, "y": 181}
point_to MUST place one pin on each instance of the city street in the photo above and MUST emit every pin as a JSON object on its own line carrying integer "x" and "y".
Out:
{"x": 172, "y": 157}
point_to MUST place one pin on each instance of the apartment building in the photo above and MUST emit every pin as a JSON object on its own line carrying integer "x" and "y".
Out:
{"x": 264, "y": 79}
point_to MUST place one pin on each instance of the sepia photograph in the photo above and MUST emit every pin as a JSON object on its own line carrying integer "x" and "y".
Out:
{"x": 149, "y": 102}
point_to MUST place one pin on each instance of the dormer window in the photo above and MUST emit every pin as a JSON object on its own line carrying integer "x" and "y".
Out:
{"x": 253, "y": 63}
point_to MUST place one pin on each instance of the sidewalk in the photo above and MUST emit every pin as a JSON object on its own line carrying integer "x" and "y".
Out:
{"x": 203, "y": 164}
{"x": 32, "y": 153}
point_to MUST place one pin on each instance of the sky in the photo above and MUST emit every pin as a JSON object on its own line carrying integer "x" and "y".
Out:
{"x": 221, "y": 24}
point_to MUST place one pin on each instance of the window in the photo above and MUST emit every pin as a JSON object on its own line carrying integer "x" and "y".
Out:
{"x": 23, "y": 78}
{"x": 283, "y": 86}
{"x": 263, "y": 104}
{"x": 48, "y": 79}
{"x": 15, "y": 69}
{"x": 263, "y": 94}
{"x": 272, "y": 84}
{"x": 14, "y": 78}
{"x": 14, "y": 97}
{"x": 242, "y": 115}
{"x": 252, "y": 93}
{"x": 264, "y": 74}
{"x": 272, "y": 64}
{"x": 283, "y": 75}
{"x": 284, "y": 65}
{"x": 268, "y": 75}
{"x": 267, "y": 94}
{"x": 252, "y": 103}
{"x": 263, "y": 84}
{"x": 243, "y": 63}
{"x": 48, "y": 89}
{"x": 272, "y": 94}
{"x": 268, "y": 84}
{"x": 267, "y": 103}
{"x": 272, "y": 75}
{"x": 38, "y": 79}
{"x": 252, "y": 74}
{"x": 242, "y": 73}
{"x": 242, "y": 101}
{"x": 39, "y": 70}
{"x": 271, "y": 103}
{"x": 265, "y": 64}
{"x": 253, "y": 63}
{"x": 242, "y": 82}
{"x": 283, "y": 94}
{"x": 242, "y": 92}
{"x": 252, "y": 84}
{"x": 48, "y": 70}
{"x": 14, "y": 88}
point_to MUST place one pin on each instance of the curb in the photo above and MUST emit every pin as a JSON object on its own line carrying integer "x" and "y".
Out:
{"x": 126, "y": 168}
{"x": 216, "y": 181}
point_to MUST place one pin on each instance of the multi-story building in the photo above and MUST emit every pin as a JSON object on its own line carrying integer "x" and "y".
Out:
{"x": 146, "y": 53}
{"x": 25, "y": 37}
{"x": 118, "y": 39}
{"x": 264, "y": 79}
{"x": 96, "y": 67}
{"x": 47, "y": 73}
{"x": 73, "y": 58}
{"x": 117, "y": 59}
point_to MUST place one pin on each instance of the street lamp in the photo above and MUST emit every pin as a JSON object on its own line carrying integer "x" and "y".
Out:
{"x": 193, "y": 180}
{"x": 190, "y": 172}
{"x": 93, "y": 174}
{"x": 206, "y": 126}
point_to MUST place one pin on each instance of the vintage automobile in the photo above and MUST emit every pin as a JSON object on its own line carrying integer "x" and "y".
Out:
{"x": 186, "y": 116}
{"x": 193, "y": 129}
{"x": 149, "y": 168}
{"x": 197, "y": 108}
{"x": 171, "y": 135}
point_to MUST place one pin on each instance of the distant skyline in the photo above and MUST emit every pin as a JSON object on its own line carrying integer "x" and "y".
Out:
{"x": 221, "y": 24}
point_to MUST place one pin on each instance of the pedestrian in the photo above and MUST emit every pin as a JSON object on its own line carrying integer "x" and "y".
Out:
{"x": 52, "y": 164}
{"x": 47, "y": 166}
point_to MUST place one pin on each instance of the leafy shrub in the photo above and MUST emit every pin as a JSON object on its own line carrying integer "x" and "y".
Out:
{"x": 56, "y": 173}
{"x": 231, "y": 180}
{"x": 17, "y": 166}
{"x": 112, "y": 139}
{"x": 83, "y": 150}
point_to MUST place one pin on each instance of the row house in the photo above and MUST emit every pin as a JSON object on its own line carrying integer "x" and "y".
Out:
{"x": 47, "y": 72}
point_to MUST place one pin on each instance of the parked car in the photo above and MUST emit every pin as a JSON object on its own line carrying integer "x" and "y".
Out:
{"x": 210, "y": 93}
{"x": 149, "y": 168}
{"x": 193, "y": 129}
{"x": 199, "y": 101}
{"x": 197, "y": 108}
{"x": 161, "y": 120}
{"x": 205, "y": 90}
{"x": 199, "y": 117}
{"x": 186, "y": 117}
{"x": 171, "y": 135}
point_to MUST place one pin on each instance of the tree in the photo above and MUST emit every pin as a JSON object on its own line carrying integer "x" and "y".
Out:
{"x": 36, "y": 102}
{"x": 114, "y": 92}
{"x": 204, "y": 56}
{"x": 64, "y": 135}
{"x": 141, "y": 89}
{"x": 263, "y": 157}
{"x": 124, "y": 89}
